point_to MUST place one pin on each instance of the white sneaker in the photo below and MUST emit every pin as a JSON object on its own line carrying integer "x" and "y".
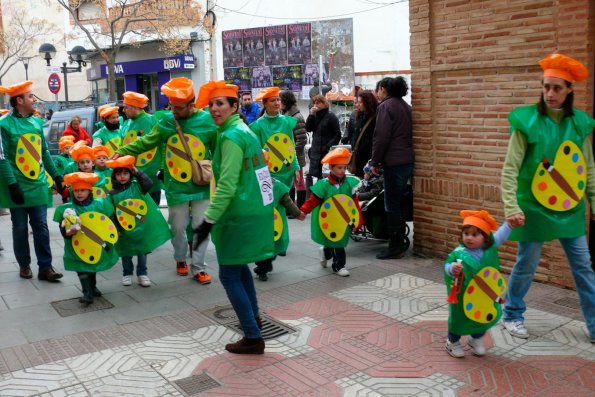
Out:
{"x": 477, "y": 346}
{"x": 516, "y": 328}
{"x": 323, "y": 259}
{"x": 127, "y": 280}
{"x": 454, "y": 349}
{"x": 144, "y": 281}
{"x": 343, "y": 272}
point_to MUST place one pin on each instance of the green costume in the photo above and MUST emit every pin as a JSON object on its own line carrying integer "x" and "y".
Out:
{"x": 143, "y": 226}
{"x": 280, "y": 217}
{"x": 98, "y": 230}
{"x": 475, "y": 311}
{"x": 151, "y": 161}
{"x": 199, "y": 131}
{"x": 276, "y": 137}
{"x": 244, "y": 227}
{"x": 558, "y": 145}
{"x": 334, "y": 226}
{"x": 111, "y": 139}
{"x": 61, "y": 162}
{"x": 24, "y": 158}
{"x": 105, "y": 180}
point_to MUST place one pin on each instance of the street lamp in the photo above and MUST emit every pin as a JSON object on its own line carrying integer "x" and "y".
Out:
{"x": 25, "y": 61}
{"x": 48, "y": 51}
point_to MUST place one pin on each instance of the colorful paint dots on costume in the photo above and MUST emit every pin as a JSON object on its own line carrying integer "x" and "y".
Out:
{"x": 560, "y": 185}
{"x": 142, "y": 159}
{"x": 113, "y": 145}
{"x": 28, "y": 155}
{"x": 96, "y": 231}
{"x": 281, "y": 151}
{"x": 482, "y": 297}
{"x": 277, "y": 224}
{"x": 177, "y": 160}
{"x": 337, "y": 214}
{"x": 131, "y": 211}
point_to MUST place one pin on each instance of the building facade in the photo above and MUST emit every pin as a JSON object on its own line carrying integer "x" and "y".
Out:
{"x": 471, "y": 64}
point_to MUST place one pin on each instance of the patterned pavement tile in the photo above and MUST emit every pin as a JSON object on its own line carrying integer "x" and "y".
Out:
{"x": 400, "y": 282}
{"x": 439, "y": 313}
{"x": 357, "y": 322}
{"x": 36, "y": 380}
{"x": 358, "y": 353}
{"x": 363, "y": 294}
{"x": 328, "y": 390}
{"x": 560, "y": 366}
{"x": 434, "y": 294}
{"x": 546, "y": 347}
{"x": 172, "y": 347}
{"x": 565, "y": 390}
{"x": 584, "y": 376}
{"x": 71, "y": 391}
{"x": 142, "y": 381}
{"x": 399, "y": 338}
{"x": 400, "y": 308}
{"x": 317, "y": 308}
{"x": 246, "y": 385}
{"x": 213, "y": 338}
{"x": 103, "y": 363}
{"x": 229, "y": 365}
{"x": 574, "y": 333}
{"x": 325, "y": 335}
{"x": 327, "y": 366}
{"x": 400, "y": 367}
{"x": 179, "y": 367}
{"x": 539, "y": 323}
{"x": 295, "y": 343}
{"x": 505, "y": 344}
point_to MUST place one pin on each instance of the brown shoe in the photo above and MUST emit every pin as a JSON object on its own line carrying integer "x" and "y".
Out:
{"x": 25, "y": 272}
{"x": 246, "y": 346}
{"x": 49, "y": 274}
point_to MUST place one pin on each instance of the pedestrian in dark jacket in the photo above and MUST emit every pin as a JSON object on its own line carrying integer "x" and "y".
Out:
{"x": 289, "y": 108}
{"x": 393, "y": 151}
{"x": 362, "y": 134}
{"x": 326, "y": 133}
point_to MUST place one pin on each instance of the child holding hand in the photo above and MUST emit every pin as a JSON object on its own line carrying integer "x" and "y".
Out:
{"x": 474, "y": 283}
{"x": 105, "y": 173}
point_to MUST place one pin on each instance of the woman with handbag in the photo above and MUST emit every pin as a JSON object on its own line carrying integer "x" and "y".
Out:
{"x": 240, "y": 214}
{"x": 363, "y": 132}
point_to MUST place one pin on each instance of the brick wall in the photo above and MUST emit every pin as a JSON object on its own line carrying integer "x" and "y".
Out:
{"x": 472, "y": 62}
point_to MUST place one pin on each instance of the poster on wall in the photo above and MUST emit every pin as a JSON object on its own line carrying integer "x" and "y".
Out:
{"x": 239, "y": 77}
{"x": 299, "y": 42}
{"x": 232, "y": 48}
{"x": 253, "y": 40}
{"x": 288, "y": 77}
{"x": 275, "y": 38}
{"x": 262, "y": 77}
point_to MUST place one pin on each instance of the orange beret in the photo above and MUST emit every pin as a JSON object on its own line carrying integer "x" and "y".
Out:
{"x": 214, "y": 89}
{"x": 17, "y": 89}
{"x": 337, "y": 156}
{"x": 80, "y": 152}
{"x": 480, "y": 219}
{"x": 100, "y": 150}
{"x": 135, "y": 99}
{"x": 4, "y": 111}
{"x": 81, "y": 180}
{"x": 179, "y": 90}
{"x": 121, "y": 162}
{"x": 267, "y": 93}
{"x": 563, "y": 67}
{"x": 65, "y": 141}
{"x": 108, "y": 110}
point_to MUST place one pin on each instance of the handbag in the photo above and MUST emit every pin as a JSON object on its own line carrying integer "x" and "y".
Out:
{"x": 202, "y": 171}
{"x": 352, "y": 166}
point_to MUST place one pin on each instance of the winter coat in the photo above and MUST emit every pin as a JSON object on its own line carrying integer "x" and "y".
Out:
{"x": 363, "y": 151}
{"x": 299, "y": 134}
{"x": 393, "y": 135}
{"x": 326, "y": 132}
{"x": 80, "y": 135}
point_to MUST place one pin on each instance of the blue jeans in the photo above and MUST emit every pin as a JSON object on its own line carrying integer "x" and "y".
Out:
{"x": 141, "y": 265}
{"x": 455, "y": 338}
{"x": 239, "y": 286}
{"x": 339, "y": 257}
{"x": 395, "y": 186}
{"x": 41, "y": 236}
{"x": 523, "y": 271}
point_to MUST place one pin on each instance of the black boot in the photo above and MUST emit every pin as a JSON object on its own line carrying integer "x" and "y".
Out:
{"x": 85, "y": 280}
{"x": 301, "y": 198}
{"x": 94, "y": 290}
{"x": 396, "y": 242}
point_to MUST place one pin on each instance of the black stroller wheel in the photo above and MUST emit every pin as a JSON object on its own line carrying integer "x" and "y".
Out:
{"x": 407, "y": 230}
{"x": 406, "y": 243}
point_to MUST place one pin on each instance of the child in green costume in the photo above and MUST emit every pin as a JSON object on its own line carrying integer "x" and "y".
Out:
{"x": 336, "y": 210}
{"x": 63, "y": 159}
{"x": 105, "y": 173}
{"x": 474, "y": 283}
{"x": 89, "y": 233}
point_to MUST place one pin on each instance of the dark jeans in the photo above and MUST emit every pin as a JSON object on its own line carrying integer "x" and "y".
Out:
{"x": 141, "y": 265}
{"x": 37, "y": 217}
{"x": 455, "y": 338}
{"x": 338, "y": 255}
{"x": 156, "y": 196}
{"x": 239, "y": 286}
{"x": 265, "y": 266}
{"x": 395, "y": 187}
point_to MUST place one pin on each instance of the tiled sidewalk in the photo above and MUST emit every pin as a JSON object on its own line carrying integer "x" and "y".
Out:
{"x": 384, "y": 337}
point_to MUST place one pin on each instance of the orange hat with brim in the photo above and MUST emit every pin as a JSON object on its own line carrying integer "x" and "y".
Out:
{"x": 65, "y": 141}
{"x": 121, "y": 162}
{"x": 135, "y": 99}
{"x": 100, "y": 151}
{"x": 4, "y": 111}
{"x": 337, "y": 156}
{"x": 214, "y": 89}
{"x": 17, "y": 89}
{"x": 109, "y": 110}
{"x": 82, "y": 152}
{"x": 480, "y": 219}
{"x": 81, "y": 180}
{"x": 179, "y": 90}
{"x": 563, "y": 67}
{"x": 267, "y": 93}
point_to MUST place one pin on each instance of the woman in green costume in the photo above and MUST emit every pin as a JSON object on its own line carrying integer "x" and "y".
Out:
{"x": 241, "y": 210}
{"x": 109, "y": 135}
{"x": 275, "y": 132}
{"x": 88, "y": 231}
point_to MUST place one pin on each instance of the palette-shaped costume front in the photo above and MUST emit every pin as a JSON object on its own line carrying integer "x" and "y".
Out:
{"x": 281, "y": 229}
{"x": 91, "y": 249}
{"x": 552, "y": 179}
{"x": 481, "y": 295}
{"x": 111, "y": 139}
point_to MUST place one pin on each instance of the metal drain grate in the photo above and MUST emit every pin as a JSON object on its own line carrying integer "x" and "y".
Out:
{"x": 224, "y": 315}
{"x": 196, "y": 384}
{"x": 271, "y": 329}
{"x": 570, "y": 302}
{"x": 72, "y": 307}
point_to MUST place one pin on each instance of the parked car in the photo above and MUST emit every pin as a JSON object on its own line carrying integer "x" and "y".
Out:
{"x": 53, "y": 128}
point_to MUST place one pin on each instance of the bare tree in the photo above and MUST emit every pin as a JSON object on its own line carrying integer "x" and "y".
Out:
{"x": 109, "y": 26}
